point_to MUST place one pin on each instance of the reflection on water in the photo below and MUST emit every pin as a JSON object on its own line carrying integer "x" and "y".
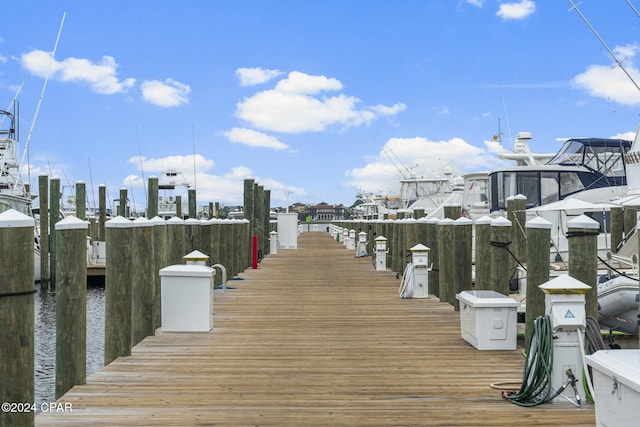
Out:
{"x": 45, "y": 339}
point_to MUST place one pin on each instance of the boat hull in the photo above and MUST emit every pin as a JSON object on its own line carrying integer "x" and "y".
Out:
{"x": 618, "y": 305}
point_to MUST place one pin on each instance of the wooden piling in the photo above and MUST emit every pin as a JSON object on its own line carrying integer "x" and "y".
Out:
{"x": 226, "y": 241}
{"x": 630, "y": 220}
{"x": 248, "y": 207}
{"x": 122, "y": 203}
{"x": 483, "y": 253}
{"x": 538, "y": 237}
{"x": 71, "y": 304}
{"x": 393, "y": 245}
{"x": 43, "y": 232}
{"x": 214, "y": 245}
{"x": 583, "y": 257}
{"x": 143, "y": 281}
{"x": 518, "y": 217}
{"x": 176, "y": 237}
{"x": 500, "y": 258}
{"x": 462, "y": 254}
{"x": 386, "y": 232}
{"x": 259, "y": 216}
{"x": 434, "y": 257}
{"x": 191, "y": 235}
{"x": 54, "y": 217}
{"x": 191, "y": 196}
{"x": 266, "y": 208}
{"x": 152, "y": 199}
{"x": 445, "y": 261}
{"x": 102, "y": 207}
{"x": 452, "y": 211}
{"x": 160, "y": 255}
{"x": 616, "y": 219}
{"x": 400, "y": 254}
{"x": 421, "y": 232}
{"x": 204, "y": 236}
{"x": 17, "y": 317}
{"x": 118, "y": 297}
{"x": 179, "y": 207}
{"x": 81, "y": 200}
{"x": 409, "y": 225}
{"x": 245, "y": 233}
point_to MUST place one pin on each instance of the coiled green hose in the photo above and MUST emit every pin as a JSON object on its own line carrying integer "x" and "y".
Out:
{"x": 536, "y": 378}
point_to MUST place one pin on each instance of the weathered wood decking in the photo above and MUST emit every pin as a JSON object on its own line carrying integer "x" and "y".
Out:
{"x": 313, "y": 337}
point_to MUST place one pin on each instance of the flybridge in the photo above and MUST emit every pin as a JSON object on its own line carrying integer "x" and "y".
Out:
{"x": 595, "y": 166}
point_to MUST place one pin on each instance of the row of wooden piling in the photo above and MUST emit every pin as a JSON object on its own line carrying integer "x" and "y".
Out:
{"x": 500, "y": 247}
{"x": 136, "y": 251}
{"x": 257, "y": 207}
{"x": 49, "y": 202}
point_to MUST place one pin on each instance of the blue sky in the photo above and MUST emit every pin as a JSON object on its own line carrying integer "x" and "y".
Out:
{"x": 313, "y": 97}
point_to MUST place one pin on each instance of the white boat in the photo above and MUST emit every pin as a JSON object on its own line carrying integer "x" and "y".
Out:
{"x": 13, "y": 194}
{"x": 429, "y": 192}
{"x": 166, "y": 186}
{"x": 592, "y": 170}
{"x": 618, "y": 304}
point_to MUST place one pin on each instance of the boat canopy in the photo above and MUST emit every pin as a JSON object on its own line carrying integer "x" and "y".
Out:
{"x": 581, "y": 164}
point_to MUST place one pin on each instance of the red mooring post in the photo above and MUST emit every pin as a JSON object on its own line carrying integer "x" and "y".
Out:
{"x": 254, "y": 251}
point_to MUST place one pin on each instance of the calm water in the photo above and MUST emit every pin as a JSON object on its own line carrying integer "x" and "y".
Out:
{"x": 45, "y": 340}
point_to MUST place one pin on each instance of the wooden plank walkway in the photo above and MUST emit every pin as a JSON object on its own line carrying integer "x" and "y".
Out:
{"x": 313, "y": 337}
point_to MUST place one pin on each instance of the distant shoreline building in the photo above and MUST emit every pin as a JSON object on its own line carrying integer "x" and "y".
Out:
{"x": 326, "y": 212}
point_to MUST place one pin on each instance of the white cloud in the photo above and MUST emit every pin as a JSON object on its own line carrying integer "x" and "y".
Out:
{"x": 495, "y": 147}
{"x": 254, "y": 138}
{"x": 419, "y": 156}
{"x": 255, "y": 76}
{"x": 169, "y": 93}
{"x": 611, "y": 83}
{"x": 178, "y": 162}
{"x": 101, "y": 77}
{"x": 477, "y": 3}
{"x": 132, "y": 181}
{"x": 301, "y": 83}
{"x": 385, "y": 110}
{"x": 294, "y": 105}
{"x": 629, "y": 136}
{"x": 519, "y": 10}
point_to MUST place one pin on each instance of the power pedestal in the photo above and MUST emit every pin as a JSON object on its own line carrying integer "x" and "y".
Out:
{"x": 351, "y": 243}
{"x": 565, "y": 305}
{"x": 381, "y": 253}
{"x": 361, "y": 250}
{"x": 420, "y": 261}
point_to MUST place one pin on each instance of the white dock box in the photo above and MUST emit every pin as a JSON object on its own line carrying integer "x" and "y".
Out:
{"x": 187, "y": 298}
{"x": 616, "y": 384}
{"x": 488, "y": 320}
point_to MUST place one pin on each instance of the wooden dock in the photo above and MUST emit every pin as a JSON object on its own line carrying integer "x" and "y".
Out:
{"x": 314, "y": 337}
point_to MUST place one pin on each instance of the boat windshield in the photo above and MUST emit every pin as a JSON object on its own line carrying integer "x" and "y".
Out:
{"x": 604, "y": 156}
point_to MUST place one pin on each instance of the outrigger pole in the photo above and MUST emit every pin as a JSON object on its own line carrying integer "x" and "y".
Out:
{"x": 613, "y": 55}
{"x": 44, "y": 86}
